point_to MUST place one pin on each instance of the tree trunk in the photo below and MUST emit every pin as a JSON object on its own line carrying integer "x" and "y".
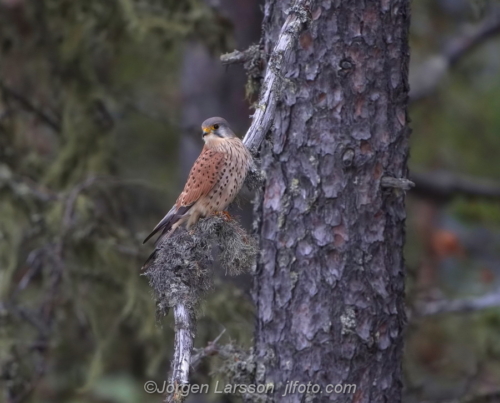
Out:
{"x": 329, "y": 286}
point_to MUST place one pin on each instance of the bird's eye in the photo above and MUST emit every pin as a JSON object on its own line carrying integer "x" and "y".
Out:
{"x": 216, "y": 127}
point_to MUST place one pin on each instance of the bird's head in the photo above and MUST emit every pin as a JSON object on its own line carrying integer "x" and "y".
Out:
{"x": 216, "y": 128}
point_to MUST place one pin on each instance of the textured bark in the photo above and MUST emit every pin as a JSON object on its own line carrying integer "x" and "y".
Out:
{"x": 329, "y": 284}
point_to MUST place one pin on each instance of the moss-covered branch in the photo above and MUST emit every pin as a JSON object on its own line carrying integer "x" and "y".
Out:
{"x": 179, "y": 271}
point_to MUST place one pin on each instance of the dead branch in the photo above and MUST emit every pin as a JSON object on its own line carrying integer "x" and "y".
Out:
{"x": 269, "y": 94}
{"x": 428, "y": 75}
{"x": 241, "y": 56}
{"x": 396, "y": 183}
{"x": 443, "y": 306}
{"x": 442, "y": 185}
{"x": 28, "y": 106}
{"x": 212, "y": 348}
{"x": 184, "y": 336}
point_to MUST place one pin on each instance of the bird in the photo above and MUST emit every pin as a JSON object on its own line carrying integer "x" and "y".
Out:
{"x": 214, "y": 180}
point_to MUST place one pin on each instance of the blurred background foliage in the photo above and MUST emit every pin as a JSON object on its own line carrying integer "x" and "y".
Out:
{"x": 100, "y": 108}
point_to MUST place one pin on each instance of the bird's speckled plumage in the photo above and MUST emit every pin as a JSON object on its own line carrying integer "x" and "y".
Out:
{"x": 215, "y": 178}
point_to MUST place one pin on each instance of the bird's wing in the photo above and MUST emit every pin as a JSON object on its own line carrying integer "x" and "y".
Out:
{"x": 202, "y": 178}
{"x": 204, "y": 175}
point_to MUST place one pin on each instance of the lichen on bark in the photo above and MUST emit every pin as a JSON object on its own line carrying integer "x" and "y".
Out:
{"x": 180, "y": 269}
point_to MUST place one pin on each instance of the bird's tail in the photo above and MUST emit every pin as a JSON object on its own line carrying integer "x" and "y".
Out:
{"x": 174, "y": 215}
{"x": 165, "y": 225}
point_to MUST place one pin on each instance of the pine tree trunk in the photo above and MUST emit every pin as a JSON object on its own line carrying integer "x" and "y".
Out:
{"x": 329, "y": 284}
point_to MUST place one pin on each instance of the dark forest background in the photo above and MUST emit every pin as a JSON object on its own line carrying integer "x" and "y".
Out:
{"x": 100, "y": 110}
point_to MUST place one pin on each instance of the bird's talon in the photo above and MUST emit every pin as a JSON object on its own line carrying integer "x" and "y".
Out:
{"x": 223, "y": 214}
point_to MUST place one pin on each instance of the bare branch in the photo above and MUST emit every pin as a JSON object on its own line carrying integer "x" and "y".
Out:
{"x": 211, "y": 349}
{"x": 269, "y": 94}
{"x": 442, "y": 185}
{"x": 428, "y": 75}
{"x": 184, "y": 336}
{"x": 442, "y": 306}
{"x": 240, "y": 56}
{"x": 397, "y": 183}
{"x": 30, "y": 107}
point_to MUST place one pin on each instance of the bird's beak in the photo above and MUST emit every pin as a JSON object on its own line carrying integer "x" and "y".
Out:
{"x": 206, "y": 130}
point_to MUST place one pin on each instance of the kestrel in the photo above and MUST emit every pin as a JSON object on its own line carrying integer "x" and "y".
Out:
{"x": 215, "y": 178}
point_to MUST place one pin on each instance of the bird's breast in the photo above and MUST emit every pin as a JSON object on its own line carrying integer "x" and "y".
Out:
{"x": 232, "y": 175}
